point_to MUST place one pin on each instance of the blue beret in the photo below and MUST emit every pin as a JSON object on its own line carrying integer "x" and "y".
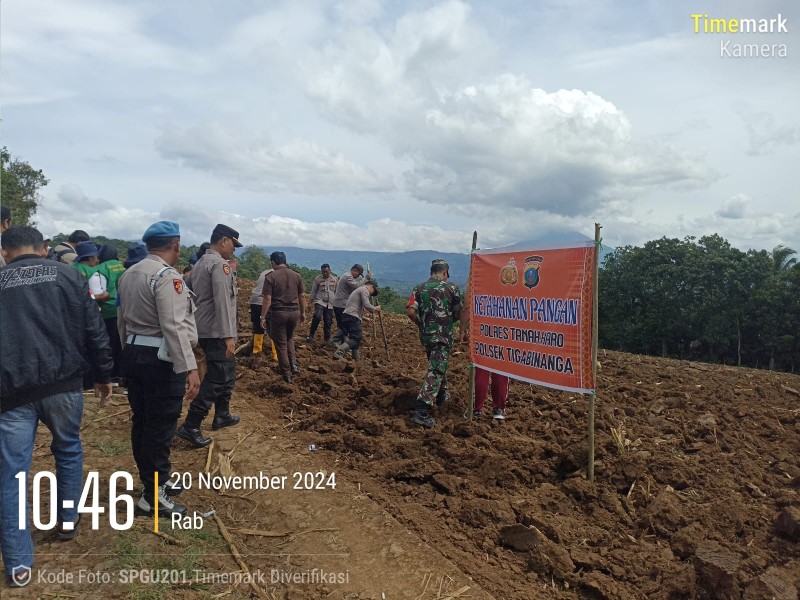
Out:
{"x": 162, "y": 229}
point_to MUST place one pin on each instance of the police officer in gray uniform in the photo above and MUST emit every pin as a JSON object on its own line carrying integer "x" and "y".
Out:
{"x": 214, "y": 284}
{"x": 157, "y": 329}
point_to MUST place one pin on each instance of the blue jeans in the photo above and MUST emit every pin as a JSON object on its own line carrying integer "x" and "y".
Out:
{"x": 62, "y": 414}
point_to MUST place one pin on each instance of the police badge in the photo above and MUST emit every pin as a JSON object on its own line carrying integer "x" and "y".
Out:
{"x": 532, "y": 264}
{"x": 508, "y": 274}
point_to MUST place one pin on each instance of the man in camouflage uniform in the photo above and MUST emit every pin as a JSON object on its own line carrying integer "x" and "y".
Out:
{"x": 435, "y": 309}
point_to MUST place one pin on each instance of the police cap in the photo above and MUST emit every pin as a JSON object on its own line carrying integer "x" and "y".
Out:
{"x": 229, "y": 232}
{"x": 162, "y": 229}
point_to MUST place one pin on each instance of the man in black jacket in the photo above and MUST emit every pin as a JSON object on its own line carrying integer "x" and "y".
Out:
{"x": 50, "y": 334}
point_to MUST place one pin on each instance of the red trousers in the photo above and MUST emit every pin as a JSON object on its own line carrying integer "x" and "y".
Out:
{"x": 499, "y": 388}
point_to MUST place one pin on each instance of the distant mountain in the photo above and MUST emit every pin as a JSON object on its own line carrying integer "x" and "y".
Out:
{"x": 400, "y": 270}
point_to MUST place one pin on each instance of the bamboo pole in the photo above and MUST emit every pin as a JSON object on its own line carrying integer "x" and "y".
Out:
{"x": 374, "y": 331}
{"x": 590, "y": 468}
{"x": 471, "y": 405}
{"x": 383, "y": 331}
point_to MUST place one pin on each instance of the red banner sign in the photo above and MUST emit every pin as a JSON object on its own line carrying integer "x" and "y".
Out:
{"x": 531, "y": 314}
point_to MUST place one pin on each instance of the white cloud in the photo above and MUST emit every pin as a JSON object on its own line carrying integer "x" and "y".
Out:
{"x": 734, "y": 207}
{"x": 254, "y": 162}
{"x": 765, "y": 135}
{"x": 504, "y": 141}
{"x": 72, "y": 209}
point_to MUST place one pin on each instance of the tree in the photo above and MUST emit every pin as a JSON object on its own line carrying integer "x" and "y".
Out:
{"x": 251, "y": 262}
{"x": 19, "y": 187}
{"x": 780, "y": 258}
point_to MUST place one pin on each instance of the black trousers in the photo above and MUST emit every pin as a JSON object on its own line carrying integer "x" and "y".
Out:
{"x": 326, "y": 316}
{"x": 338, "y": 312}
{"x": 217, "y": 386}
{"x": 255, "y": 319}
{"x": 155, "y": 393}
{"x": 116, "y": 345}
{"x": 352, "y": 331}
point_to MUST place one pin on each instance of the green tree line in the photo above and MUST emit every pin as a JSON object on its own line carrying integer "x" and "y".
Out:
{"x": 19, "y": 187}
{"x": 254, "y": 260}
{"x": 702, "y": 299}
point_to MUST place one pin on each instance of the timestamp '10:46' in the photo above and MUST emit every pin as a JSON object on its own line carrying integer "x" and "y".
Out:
{"x": 89, "y": 502}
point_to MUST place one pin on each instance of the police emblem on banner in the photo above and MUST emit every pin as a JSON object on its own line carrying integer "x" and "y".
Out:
{"x": 509, "y": 274}
{"x": 532, "y": 264}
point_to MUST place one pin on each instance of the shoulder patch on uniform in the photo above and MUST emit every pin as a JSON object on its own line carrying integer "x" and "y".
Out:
{"x": 227, "y": 268}
{"x": 178, "y": 285}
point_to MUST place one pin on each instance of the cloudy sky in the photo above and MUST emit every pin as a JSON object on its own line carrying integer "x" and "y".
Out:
{"x": 398, "y": 125}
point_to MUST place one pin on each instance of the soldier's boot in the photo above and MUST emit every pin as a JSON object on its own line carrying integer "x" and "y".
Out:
{"x": 258, "y": 343}
{"x": 442, "y": 397}
{"x": 191, "y": 433}
{"x": 356, "y": 354}
{"x": 340, "y": 351}
{"x": 274, "y": 351}
{"x": 422, "y": 416}
{"x": 223, "y": 417}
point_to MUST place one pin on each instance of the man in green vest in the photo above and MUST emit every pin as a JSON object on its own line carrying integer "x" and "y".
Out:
{"x": 109, "y": 271}
{"x": 86, "y": 261}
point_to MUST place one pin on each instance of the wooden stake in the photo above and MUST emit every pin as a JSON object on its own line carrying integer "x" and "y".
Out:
{"x": 383, "y": 330}
{"x": 208, "y": 456}
{"x": 374, "y": 330}
{"x": 238, "y": 557}
{"x": 471, "y": 403}
{"x": 590, "y": 467}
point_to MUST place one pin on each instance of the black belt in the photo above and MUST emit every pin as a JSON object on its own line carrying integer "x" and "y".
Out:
{"x": 284, "y": 308}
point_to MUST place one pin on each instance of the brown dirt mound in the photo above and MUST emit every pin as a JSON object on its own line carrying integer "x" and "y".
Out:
{"x": 697, "y": 478}
{"x": 696, "y": 490}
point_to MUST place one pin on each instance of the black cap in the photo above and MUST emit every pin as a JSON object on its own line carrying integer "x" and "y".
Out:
{"x": 221, "y": 229}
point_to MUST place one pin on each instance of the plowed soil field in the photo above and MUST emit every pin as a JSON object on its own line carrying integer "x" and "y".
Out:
{"x": 695, "y": 493}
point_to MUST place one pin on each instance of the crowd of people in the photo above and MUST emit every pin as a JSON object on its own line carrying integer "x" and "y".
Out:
{"x": 74, "y": 317}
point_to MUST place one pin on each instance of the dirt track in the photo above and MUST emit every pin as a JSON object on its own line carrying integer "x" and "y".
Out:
{"x": 695, "y": 497}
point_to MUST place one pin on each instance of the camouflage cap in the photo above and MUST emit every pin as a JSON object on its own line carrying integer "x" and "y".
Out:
{"x": 439, "y": 261}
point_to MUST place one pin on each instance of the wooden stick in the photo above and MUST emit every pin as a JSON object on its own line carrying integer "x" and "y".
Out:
{"x": 116, "y": 414}
{"x": 170, "y": 539}
{"x": 256, "y": 532}
{"x": 239, "y": 443}
{"x": 426, "y": 579}
{"x": 471, "y": 394}
{"x": 593, "y": 395}
{"x": 238, "y": 558}
{"x": 208, "y": 457}
{"x": 296, "y": 535}
{"x": 374, "y": 331}
{"x": 383, "y": 330}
